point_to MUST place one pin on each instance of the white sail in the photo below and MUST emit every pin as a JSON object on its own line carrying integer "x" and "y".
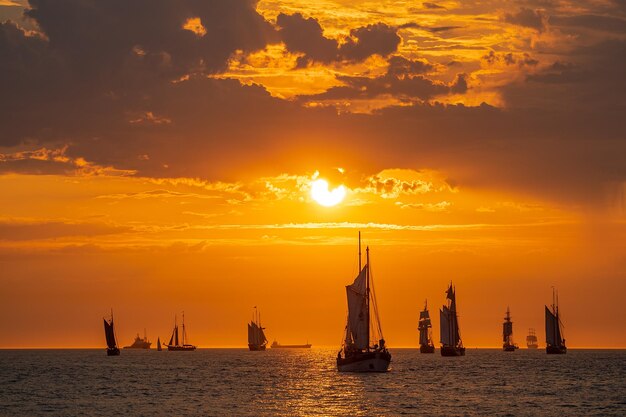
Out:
{"x": 445, "y": 324}
{"x": 551, "y": 328}
{"x": 358, "y": 314}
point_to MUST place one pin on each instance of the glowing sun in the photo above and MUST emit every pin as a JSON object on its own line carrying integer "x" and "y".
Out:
{"x": 323, "y": 196}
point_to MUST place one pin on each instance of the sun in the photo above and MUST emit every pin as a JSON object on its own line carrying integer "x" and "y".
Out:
{"x": 323, "y": 196}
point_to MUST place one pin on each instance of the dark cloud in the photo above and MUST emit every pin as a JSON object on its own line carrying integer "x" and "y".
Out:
{"x": 509, "y": 58}
{"x": 434, "y": 29}
{"x": 428, "y": 5}
{"x": 601, "y": 23}
{"x": 306, "y": 36}
{"x": 527, "y": 18}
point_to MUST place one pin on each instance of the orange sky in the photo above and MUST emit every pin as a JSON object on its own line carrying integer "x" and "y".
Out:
{"x": 167, "y": 165}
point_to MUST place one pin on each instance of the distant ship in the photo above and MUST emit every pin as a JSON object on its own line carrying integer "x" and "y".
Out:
{"x": 256, "y": 337}
{"x": 531, "y": 339}
{"x": 555, "y": 343}
{"x": 507, "y": 333}
{"x": 174, "y": 344}
{"x": 357, "y": 353}
{"x": 159, "y": 348}
{"x": 276, "y": 345}
{"x": 109, "y": 332}
{"x": 426, "y": 333}
{"x": 450, "y": 337}
{"x": 140, "y": 343}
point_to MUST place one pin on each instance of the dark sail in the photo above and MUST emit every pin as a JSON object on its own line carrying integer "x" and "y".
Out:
{"x": 110, "y": 335}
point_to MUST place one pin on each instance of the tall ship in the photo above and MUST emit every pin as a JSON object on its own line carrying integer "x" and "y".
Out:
{"x": 175, "y": 343}
{"x": 276, "y": 345}
{"x": 256, "y": 337}
{"x": 531, "y": 339}
{"x": 109, "y": 332}
{"x": 358, "y": 353}
{"x": 555, "y": 343}
{"x": 450, "y": 337}
{"x": 426, "y": 332}
{"x": 140, "y": 342}
{"x": 507, "y": 333}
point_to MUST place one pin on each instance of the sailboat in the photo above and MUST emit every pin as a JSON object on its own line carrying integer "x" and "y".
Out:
{"x": 451, "y": 344}
{"x": 109, "y": 332}
{"x": 507, "y": 333}
{"x": 173, "y": 343}
{"x": 555, "y": 343}
{"x": 531, "y": 339}
{"x": 357, "y": 353}
{"x": 425, "y": 329}
{"x": 256, "y": 336}
{"x": 159, "y": 348}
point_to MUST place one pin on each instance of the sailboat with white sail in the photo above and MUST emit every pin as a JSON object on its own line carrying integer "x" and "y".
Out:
{"x": 555, "y": 343}
{"x": 426, "y": 332}
{"x": 256, "y": 336}
{"x": 358, "y": 353}
{"x": 451, "y": 344}
{"x": 507, "y": 333}
{"x": 109, "y": 332}
{"x": 174, "y": 343}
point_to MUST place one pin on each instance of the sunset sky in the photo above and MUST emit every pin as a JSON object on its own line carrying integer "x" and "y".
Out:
{"x": 159, "y": 156}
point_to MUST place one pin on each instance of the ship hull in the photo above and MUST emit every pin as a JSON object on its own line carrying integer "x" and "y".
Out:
{"x": 256, "y": 348}
{"x": 113, "y": 352}
{"x": 533, "y": 347}
{"x": 556, "y": 350}
{"x": 427, "y": 349}
{"x": 146, "y": 346}
{"x": 452, "y": 351}
{"x": 365, "y": 362}
{"x": 509, "y": 348}
{"x": 185, "y": 348}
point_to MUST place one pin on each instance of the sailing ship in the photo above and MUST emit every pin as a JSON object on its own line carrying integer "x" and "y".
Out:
{"x": 357, "y": 353}
{"x": 109, "y": 332}
{"x": 140, "y": 342}
{"x": 451, "y": 344}
{"x": 174, "y": 344}
{"x": 555, "y": 343}
{"x": 276, "y": 345}
{"x": 531, "y": 339}
{"x": 159, "y": 348}
{"x": 507, "y": 333}
{"x": 256, "y": 336}
{"x": 425, "y": 329}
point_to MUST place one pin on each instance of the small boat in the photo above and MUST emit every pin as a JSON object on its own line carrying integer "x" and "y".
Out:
{"x": 276, "y": 345}
{"x": 531, "y": 339}
{"x": 174, "y": 344}
{"x": 256, "y": 337}
{"x": 555, "y": 343}
{"x": 140, "y": 342}
{"x": 358, "y": 354}
{"x": 451, "y": 344}
{"x": 507, "y": 333}
{"x": 426, "y": 332}
{"x": 159, "y": 348}
{"x": 109, "y": 332}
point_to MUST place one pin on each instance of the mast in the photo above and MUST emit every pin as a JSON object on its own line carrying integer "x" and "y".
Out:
{"x": 359, "y": 251}
{"x": 367, "y": 301}
{"x": 183, "y": 327}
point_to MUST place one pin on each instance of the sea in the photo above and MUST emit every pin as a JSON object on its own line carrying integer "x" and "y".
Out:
{"x": 305, "y": 382}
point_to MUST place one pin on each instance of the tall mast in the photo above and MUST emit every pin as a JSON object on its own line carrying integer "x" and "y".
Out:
{"x": 367, "y": 254}
{"x": 359, "y": 251}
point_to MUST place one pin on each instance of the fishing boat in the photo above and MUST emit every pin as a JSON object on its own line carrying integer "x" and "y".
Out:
{"x": 426, "y": 332}
{"x": 276, "y": 345}
{"x": 140, "y": 342}
{"x": 174, "y": 344}
{"x": 358, "y": 353}
{"x": 507, "y": 333}
{"x": 256, "y": 337}
{"x": 109, "y": 332}
{"x": 531, "y": 339}
{"x": 555, "y": 343}
{"x": 451, "y": 344}
{"x": 159, "y": 348}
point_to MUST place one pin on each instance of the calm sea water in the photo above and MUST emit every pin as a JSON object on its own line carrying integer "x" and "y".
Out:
{"x": 235, "y": 382}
